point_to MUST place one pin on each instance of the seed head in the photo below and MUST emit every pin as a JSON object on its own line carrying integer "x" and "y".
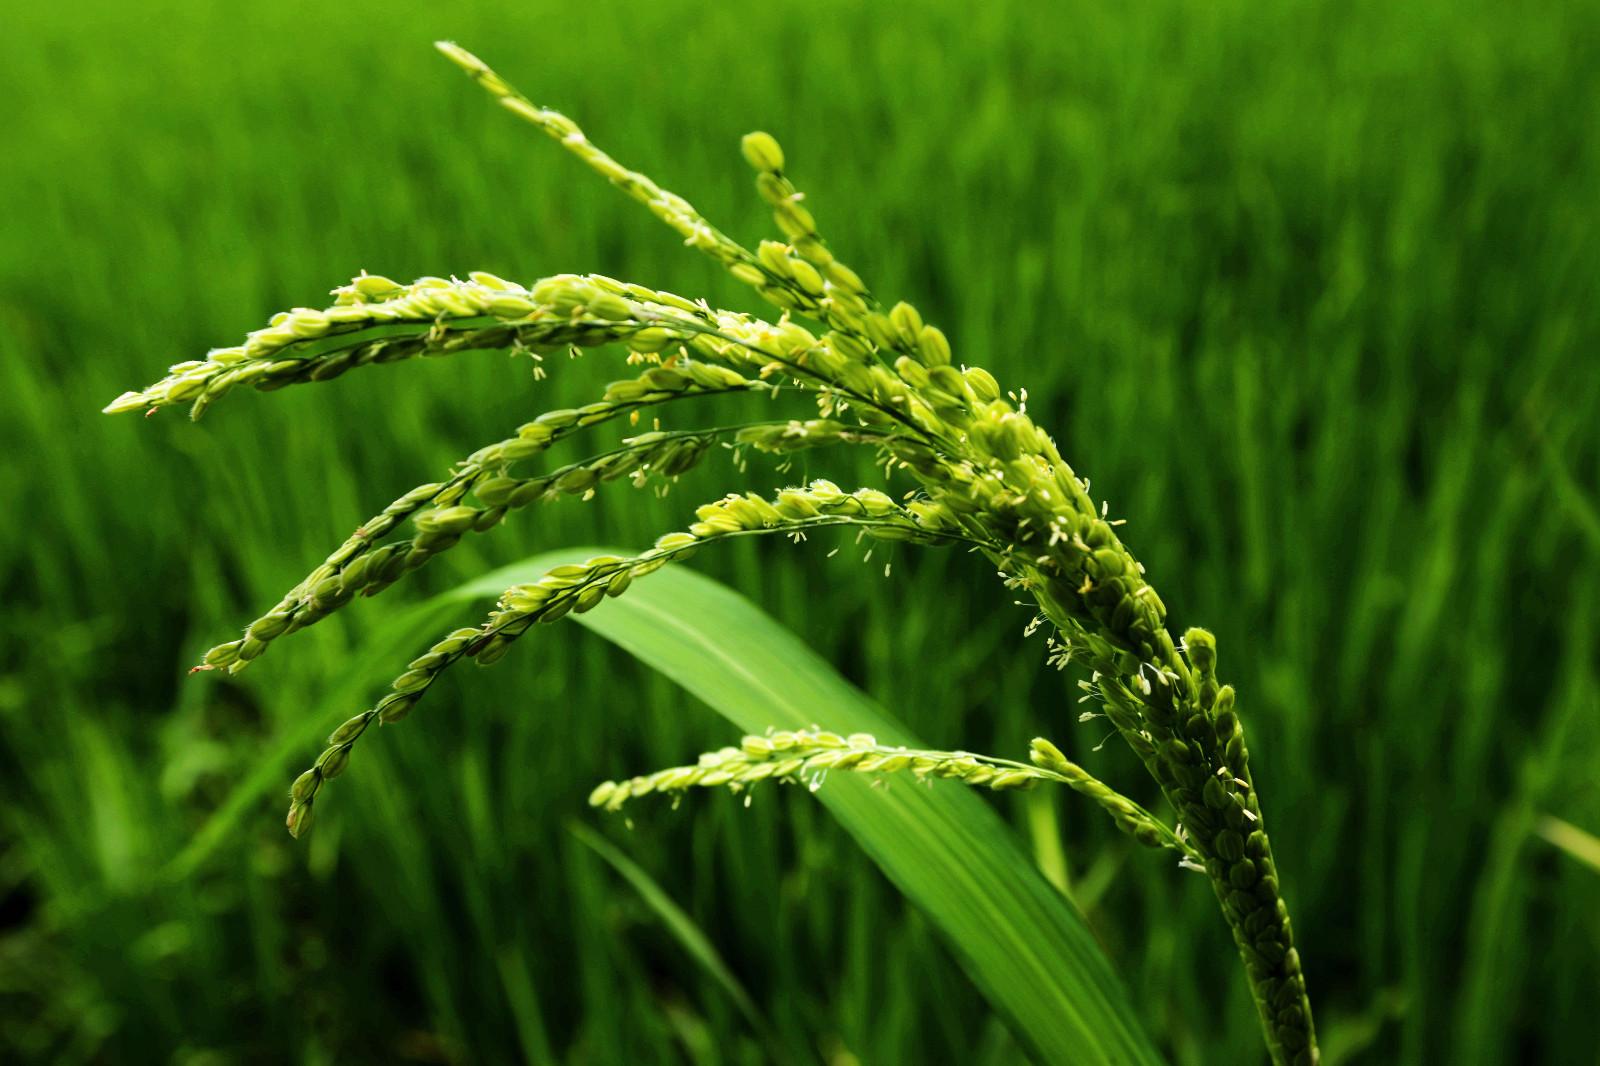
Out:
{"x": 761, "y": 151}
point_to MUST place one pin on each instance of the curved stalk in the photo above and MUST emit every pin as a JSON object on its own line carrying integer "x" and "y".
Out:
{"x": 807, "y": 756}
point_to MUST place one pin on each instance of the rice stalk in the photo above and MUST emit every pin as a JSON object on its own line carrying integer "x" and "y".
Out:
{"x": 985, "y": 474}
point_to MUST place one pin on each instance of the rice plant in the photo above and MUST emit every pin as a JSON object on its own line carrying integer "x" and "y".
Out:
{"x": 970, "y": 467}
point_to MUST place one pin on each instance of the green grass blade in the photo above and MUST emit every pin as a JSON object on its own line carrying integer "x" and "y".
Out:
{"x": 1024, "y": 946}
{"x": 516, "y": 979}
{"x": 682, "y": 927}
{"x": 1581, "y": 845}
{"x": 390, "y": 642}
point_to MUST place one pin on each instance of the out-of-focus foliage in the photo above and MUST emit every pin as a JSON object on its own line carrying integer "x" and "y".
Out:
{"x": 1308, "y": 291}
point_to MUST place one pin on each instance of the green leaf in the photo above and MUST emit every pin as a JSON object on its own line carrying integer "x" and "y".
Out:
{"x": 1024, "y": 946}
{"x": 1585, "y": 847}
{"x": 682, "y": 928}
{"x": 391, "y": 643}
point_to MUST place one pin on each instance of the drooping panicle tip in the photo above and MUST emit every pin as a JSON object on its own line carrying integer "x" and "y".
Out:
{"x": 461, "y": 57}
{"x": 761, "y": 151}
{"x": 299, "y": 820}
{"x": 1046, "y": 755}
{"x": 128, "y": 401}
{"x": 478, "y": 71}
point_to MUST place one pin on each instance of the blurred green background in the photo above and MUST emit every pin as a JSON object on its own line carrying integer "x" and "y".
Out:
{"x": 1307, "y": 289}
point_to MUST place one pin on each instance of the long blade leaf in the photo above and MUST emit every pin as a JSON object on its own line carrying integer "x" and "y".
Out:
{"x": 1024, "y": 946}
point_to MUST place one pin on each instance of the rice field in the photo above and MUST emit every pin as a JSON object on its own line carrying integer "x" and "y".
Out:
{"x": 1308, "y": 291}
